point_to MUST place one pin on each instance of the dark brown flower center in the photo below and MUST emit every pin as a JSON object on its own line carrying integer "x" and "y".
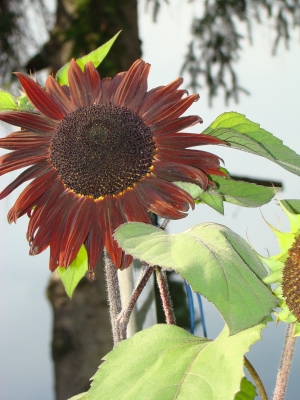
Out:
{"x": 101, "y": 150}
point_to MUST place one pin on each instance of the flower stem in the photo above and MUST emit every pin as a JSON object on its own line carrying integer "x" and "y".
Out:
{"x": 285, "y": 363}
{"x": 124, "y": 316}
{"x": 113, "y": 293}
{"x": 163, "y": 286}
{"x": 258, "y": 383}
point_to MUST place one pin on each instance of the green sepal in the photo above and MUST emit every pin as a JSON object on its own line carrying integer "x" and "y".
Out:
{"x": 96, "y": 57}
{"x": 273, "y": 277}
{"x": 294, "y": 218}
{"x": 272, "y": 262}
{"x": 24, "y": 103}
{"x": 72, "y": 275}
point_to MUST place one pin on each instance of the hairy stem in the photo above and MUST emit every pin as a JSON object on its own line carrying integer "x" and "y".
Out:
{"x": 113, "y": 294}
{"x": 285, "y": 363}
{"x": 123, "y": 318}
{"x": 163, "y": 286}
{"x": 258, "y": 383}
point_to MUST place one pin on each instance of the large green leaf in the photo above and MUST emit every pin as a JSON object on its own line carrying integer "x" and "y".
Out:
{"x": 7, "y": 101}
{"x": 81, "y": 396}
{"x": 215, "y": 261}
{"x": 96, "y": 56}
{"x": 241, "y": 133}
{"x": 166, "y": 362}
{"x": 72, "y": 275}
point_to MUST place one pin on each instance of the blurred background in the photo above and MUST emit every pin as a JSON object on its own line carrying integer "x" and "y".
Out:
{"x": 240, "y": 56}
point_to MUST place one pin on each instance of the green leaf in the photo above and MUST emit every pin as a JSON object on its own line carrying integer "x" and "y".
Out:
{"x": 165, "y": 362}
{"x": 215, "y": 261}
{"x": 72, "y": 275}
{"x": 241, "y": 133}
{"x": 242, "y": 193}
{"x": 247, "y": 392}
{"x": 96, "y": 56}
{"x": 213, "y": 199}
{"x": 7, "y": 101}
{"x": 293, "y": 206}
{"x": 24, "y": 103}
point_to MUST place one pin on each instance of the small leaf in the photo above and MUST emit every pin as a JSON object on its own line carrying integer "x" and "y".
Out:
{"x": 96, "y": 56}
{"x": 213, "y": 199}
{"x": 7, "y": 101}
{"x": 194, "y": 190}
{"x": 72, "y": 275}
{"x": 247, "y": 392}
{"x": 241, "y": 133}
{"x": 24, "y": 103}
{"x": 243, "y": 193}
{"x": 215, "y": 261}
{"x": 165, "y": 362}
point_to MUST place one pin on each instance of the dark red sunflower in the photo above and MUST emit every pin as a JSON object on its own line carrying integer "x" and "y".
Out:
{"x": 101, "y": 153}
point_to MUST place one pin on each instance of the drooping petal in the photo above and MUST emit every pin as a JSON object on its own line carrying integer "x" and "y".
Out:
{"x": 41, "y": 240}
{"x": 78, "y": 231}
{"x": 31, "y": 193}
{"x": 133, "y": 209}
{"x": 182, "y": 140}
{"x": 29, "y": 120}
{"x": 30, "y": 173}
{"x": 111, "y": 218}
{"x": 176, "y": 197}
{"x": 59, "y": 94}
{"x": 23, "y": 140}
{"x": 22, "y": 158}
{"x": 40, "y": 99}
{"x": 173, "y": 172}
{"x": 94, "y": 243}
{"x": 43, "y": 208}
{"x": 156, "y": 203}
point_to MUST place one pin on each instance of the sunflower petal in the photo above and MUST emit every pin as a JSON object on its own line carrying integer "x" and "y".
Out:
{"x": 176, "y": 125}
{"x": 30, "y": 173}
{"x": 134, "y": 85}
{"x": 93, "y": 82}
{"x": 23, "y": 139}
{"x": 182, "y": 140}
{"x": 133, "y": 209}
{"x": 40, "y": 99}
{"x": 29, "y": 120}
{"x": 176, "y": 197}
{"x": 178, "y": 172}
{"x": 59, "y": 94}
{"x": 94, "y": 243}
{"x": 22, "y": 158}
{"x": 31, "y": 193}
{"x": 156, "y": 203}
{"x": 78, "y": 231}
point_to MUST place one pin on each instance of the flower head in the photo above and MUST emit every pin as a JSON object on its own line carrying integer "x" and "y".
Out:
{"x": 101, "y": 153}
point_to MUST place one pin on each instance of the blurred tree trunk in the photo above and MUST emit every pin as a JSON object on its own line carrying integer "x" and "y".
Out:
{"x": 81, "y": 327}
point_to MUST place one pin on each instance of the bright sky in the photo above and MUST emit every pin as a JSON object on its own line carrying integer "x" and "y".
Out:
{"x": 25, "y": 365}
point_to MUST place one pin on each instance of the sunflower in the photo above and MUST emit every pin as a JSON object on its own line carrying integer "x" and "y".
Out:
{"x": 101, "y": 153}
